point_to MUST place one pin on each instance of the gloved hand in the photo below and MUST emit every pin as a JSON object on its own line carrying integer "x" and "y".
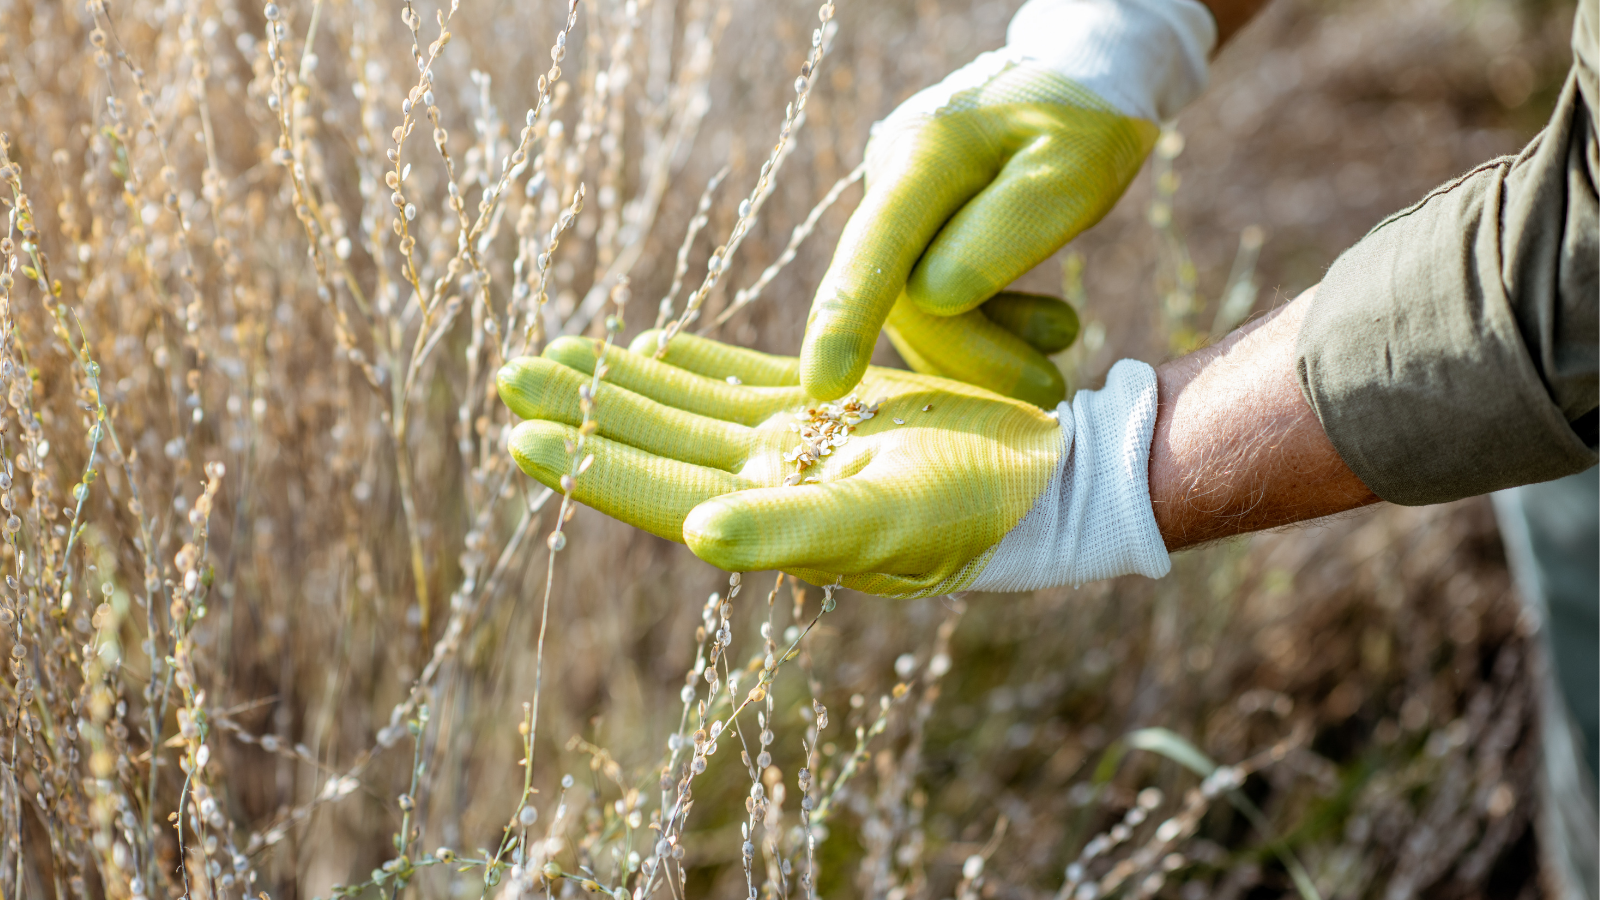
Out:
{"x": 944, "y": 487}
{"x": 976, "y": 180}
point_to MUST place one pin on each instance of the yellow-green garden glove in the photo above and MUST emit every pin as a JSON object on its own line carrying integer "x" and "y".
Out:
{"x": 925, "y": 486}
{"x": 977, "y": 179}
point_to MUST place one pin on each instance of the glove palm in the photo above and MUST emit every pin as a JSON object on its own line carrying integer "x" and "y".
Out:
{"x": 899, "y": 509}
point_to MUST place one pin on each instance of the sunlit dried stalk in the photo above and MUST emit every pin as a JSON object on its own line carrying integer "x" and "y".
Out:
{"x": 750, "y": 207}
{"x": 747, "y": 295}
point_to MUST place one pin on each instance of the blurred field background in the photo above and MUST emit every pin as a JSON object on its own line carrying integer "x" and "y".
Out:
{"x": 264, "y": 635}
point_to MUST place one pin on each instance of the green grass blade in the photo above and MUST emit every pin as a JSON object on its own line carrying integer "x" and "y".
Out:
{"x": 1178, "y": 749}
{"x": 1174, "y": 747}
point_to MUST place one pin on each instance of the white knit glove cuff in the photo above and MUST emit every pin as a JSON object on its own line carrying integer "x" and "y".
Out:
{"x": 1145, "y": 58}
{"x": 1094, "y": 519}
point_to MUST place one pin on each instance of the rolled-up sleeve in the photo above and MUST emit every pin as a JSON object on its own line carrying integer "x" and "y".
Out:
{"x": 1454, "y": 350}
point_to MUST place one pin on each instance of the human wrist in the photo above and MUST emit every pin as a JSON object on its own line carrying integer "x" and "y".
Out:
{"x": 1235, "y": 447}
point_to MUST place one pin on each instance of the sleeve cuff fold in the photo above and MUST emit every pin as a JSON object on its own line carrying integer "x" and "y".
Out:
{"x": 1412, "y": 358}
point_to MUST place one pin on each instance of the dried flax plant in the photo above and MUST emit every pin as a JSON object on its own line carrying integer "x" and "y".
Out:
{"x": 276, "y": 610}
{"x": 278, "y": 305}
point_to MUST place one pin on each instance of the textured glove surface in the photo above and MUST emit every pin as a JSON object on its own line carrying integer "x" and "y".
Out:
{"x": 1000, "y": 346}
{"x": 1094, "y": 520}
{"x": 965, "y": 193}
{"x": 900, "y": 510}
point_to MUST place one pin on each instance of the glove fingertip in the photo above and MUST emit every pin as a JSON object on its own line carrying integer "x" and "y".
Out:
{"x": 832, "y": 362}
{"x": 539, "y": 449}
{"x": 518, "y": 380}
{"x": 1042, "y": 385}
{"x": 1046, "y": 323}
{"x": 647, "y": 343}
{"x": 724, "y": 532}
{"x": 571, "y": 351}
{"x": 942, "y": 286}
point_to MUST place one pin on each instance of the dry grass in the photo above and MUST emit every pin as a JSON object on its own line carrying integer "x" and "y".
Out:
{"x": 282, "y": 615}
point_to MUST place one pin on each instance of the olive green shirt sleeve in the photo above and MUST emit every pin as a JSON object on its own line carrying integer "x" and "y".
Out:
{"x": 1453, "y": 351}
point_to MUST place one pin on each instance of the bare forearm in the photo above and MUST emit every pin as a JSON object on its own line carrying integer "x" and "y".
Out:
{"x": 1232, "y": 15}
{"x": 1236, "y": 447}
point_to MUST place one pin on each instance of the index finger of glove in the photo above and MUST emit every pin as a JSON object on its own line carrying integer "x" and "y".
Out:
{"x": 916, "y": 185}
{"x": 715, "y": 359}
{"x": 536, "y": 388}
{"x": 678, "y": 388}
